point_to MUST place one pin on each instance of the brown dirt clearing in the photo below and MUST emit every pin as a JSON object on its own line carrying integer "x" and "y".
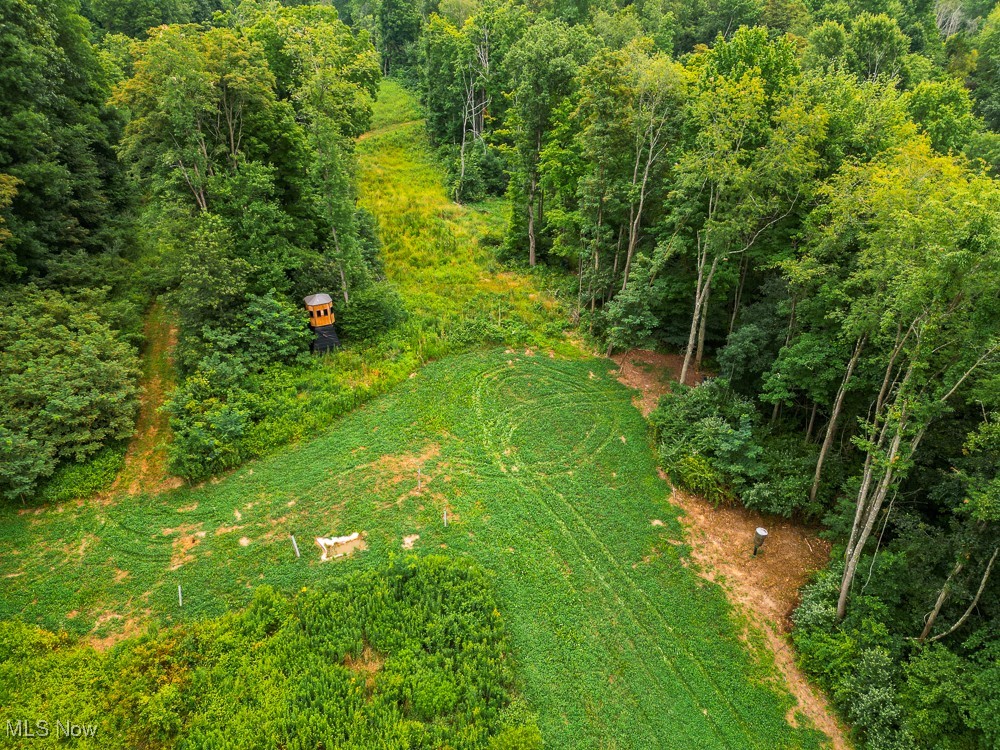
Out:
{"x": 766, "y": 587}
{"x": 651, "y": 373}
{"x": 185, "y": 539}
{"x": 367, "y": 665}
{"x": 123, "y": 628}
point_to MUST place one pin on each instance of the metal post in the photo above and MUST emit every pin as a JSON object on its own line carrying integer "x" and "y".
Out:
{"x": 759, "y": 537}
{"x": 295, "y": 545}
{"x": 180, "y": 596}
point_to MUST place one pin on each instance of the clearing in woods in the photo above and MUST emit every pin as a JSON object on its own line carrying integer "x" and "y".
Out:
{"x": 548, "y": 480}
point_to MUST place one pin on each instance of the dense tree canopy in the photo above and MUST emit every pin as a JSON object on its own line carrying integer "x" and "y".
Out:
{"x": 799, "y": 199}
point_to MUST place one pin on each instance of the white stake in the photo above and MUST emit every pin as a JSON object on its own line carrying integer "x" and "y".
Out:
{"x": 295, "y": 545}
{"x": 180, "y": 596}
{"x": 446, "y": 516}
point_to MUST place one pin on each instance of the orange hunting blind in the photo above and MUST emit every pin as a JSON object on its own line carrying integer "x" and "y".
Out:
{"x": 320, "y": 308}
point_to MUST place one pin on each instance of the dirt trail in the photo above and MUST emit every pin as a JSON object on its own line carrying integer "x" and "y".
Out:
{"x": 651, "y": 373}
{"x": 145, "y": 468}
{"x": 765, "y": 588}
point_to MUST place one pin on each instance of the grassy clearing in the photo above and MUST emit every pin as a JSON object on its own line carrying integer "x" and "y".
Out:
{"x": 457, "y": 296}
{"x": 549, "y": 482}
{"x": 541, "y": 462}
{"x": 434, "y": 247}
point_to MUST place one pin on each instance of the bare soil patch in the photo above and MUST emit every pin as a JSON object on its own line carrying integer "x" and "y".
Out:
{"x": 185, "y": 538}
{"x": 126, "y": 627}
{"x": 366, "y": 665}
{"x": 409, "y": 540}
{"x": 765, "y": 588}
{"x": 651, "y": 373}
{"x": 390, "y": 470}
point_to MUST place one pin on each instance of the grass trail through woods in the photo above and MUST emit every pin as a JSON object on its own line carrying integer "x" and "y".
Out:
{"x": 145, "y": 468}
{"x": 432, "y": 246}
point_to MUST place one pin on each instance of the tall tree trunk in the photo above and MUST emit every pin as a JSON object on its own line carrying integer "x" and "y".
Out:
{"x": 812, "y": 421}
{"x": 942, "y": 597}
{"x": 614, "y": 269}
{"x": 343, "y": 283}
{"x": 702, "y": 287}
{"x": 703, "y": 323}
{"x": 870, "y": 514}
{"x": 831, "y": 426}
{"x": 531, "y": 222}
{"x": 975, "y": 600}
{"x": 744, "y": 265}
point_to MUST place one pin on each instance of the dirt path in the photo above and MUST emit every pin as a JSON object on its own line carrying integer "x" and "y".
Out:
{"x": 651, "y": 373}
{"x": 765, "y": 588}
{"x": 145, "y": 468}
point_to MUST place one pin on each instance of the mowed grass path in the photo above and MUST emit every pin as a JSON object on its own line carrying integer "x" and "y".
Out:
{"x": 432, "y": 246}
{"x": 550, "y": 484}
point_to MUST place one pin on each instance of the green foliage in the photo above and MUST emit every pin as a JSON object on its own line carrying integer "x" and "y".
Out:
{"x": 67, "y": 385}
{"x": 56, "y": 139}
{"x": 415, "y": 655}
{"x": 75, "y": 479}
{"x": 706, "y": 441}
{"x": 944, "y": 111}
{"x": 371, "y": 313}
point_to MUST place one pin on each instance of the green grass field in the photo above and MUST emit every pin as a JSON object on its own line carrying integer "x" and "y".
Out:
{"x": 547, "y": 475}
{"x": 549, "y": 482}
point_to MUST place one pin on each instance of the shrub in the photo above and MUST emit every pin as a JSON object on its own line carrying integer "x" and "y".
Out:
{"x": 372, "y": 311}
{"x": 208, "y": 416}
{"x": 413, "y": 656}
{"x": 75, "y": 479}
{"x": 706, "y": 440}
{"x": 68, "y": 386}
{"x": 786, "y": 478}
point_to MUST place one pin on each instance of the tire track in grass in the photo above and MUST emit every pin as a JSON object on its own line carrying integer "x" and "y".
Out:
{"x": 641, "y": 604}
{"x": 497, "y": 453}
{"x": 649, "y": 606}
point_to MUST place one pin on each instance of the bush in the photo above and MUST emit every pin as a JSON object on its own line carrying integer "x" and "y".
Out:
{"x": 371, "y": 312}
{"x": 208, "y": 415}
{"x": 787, "y": 471}
{"x": 74, "y": 480}
{"x": 414, "y": 656}
{"x": 68, "y": 385}
{"x": 484, "y": 173}
{"x": 706, "y": 441}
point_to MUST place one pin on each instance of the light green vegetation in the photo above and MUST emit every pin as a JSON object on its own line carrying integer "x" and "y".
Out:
{"x": 456, "y": 295}
{"x": 549, "y": 482}
{"x": 433, "y": 246}
{"x": 415, "y": 657}
{"x": 395, "y": 105}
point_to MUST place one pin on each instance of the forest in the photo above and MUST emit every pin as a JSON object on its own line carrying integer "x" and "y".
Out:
{"x": 798, "y": 199}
